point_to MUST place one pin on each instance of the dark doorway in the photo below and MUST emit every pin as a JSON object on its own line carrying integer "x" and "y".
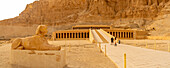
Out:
{"x": 71, "y": 35}
{"x": 132, "y": 35}
{"x": 88, "y": 35}
{"x": 112, "y": 40}
{"x": 56, "y": 35}
{"x": 85, "y": 35}
{"x": 74, "y": 35}
{"x": 81, "y": 35}
{"x": 64, "y": 35}
{"x": 59, "y": 35}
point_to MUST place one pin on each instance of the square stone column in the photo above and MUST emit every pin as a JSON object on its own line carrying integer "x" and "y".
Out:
{"x": 80, "y": 35}
{"x": 61, "y": 35}
{"x": 77, "y": 35}
{"x": 72, "y": 35}
{"x": 127, "y": 34}
{"x": 58, "y": 35}
{"x": 84, "y": 35}
{"x": 87, "y": 35}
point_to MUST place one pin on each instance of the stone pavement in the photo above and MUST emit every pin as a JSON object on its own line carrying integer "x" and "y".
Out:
{"x": 96, "y": 36}
{"x": 101, "y": 36}
{"x": 104, "y": 35}
{"x": 137, "y": 57}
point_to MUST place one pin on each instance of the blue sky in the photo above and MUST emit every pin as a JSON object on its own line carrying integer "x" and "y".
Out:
{"x": 12, "y": 8}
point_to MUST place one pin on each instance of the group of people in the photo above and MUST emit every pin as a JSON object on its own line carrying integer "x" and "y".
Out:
{"x": 115, "y": 41}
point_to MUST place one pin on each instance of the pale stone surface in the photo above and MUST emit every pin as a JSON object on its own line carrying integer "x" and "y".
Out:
{"x": 36, "y": 42}
{"x": 136, "y": 57}
{"x": 96, "y": 36}
{"x": 38, "y": 59}
{"x": 91, "y": 37}
{"x": 104, "y": 34}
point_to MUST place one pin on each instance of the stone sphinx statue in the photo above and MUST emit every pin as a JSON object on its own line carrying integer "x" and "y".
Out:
{"x": 36, "y": 42}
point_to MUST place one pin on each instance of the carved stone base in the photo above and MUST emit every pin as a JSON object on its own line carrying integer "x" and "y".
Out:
{"x": 38, "y": 59}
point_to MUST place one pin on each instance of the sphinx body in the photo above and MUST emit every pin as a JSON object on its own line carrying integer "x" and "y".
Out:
{"x": 36, "y": 42}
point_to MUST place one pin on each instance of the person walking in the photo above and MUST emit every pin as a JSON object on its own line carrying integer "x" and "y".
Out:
{"x": 118, "y": 41}
{"x": 115, "y": 41}
{"x": 112, "y": 40}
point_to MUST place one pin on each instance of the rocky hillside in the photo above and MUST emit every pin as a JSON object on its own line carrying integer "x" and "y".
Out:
{"x": 74, "y": 11}
{"x": 140, "y": 14}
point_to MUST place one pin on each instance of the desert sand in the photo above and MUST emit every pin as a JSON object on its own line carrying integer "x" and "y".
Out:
{"x": 81, "y": 55}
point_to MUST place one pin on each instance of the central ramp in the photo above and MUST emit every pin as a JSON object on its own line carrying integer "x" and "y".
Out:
{"x": 96, "y": 36}
{"x": 100, "y": 36}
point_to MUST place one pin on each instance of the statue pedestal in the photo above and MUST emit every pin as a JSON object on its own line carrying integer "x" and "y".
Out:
{"x": 38, "y": 59}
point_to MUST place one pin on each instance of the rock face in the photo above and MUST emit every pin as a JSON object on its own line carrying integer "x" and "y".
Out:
{"x": 59, "y": 12}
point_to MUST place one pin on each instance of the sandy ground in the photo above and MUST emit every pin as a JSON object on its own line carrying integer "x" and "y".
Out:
{"x": 5, "y": 55}
{"x": 161, "y": 45}
{"x": 80, "y": 54}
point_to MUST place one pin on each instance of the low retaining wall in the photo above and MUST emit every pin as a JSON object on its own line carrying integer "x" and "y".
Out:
{"x": 91, "y": 37}
{"x": 38, "y": 59}
{"x": 158, "y": 37}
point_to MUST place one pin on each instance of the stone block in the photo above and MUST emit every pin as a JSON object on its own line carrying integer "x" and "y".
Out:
{"x": 38, "y": 59}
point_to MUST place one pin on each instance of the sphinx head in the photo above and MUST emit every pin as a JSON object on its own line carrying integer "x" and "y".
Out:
{"x": 41, "y": 30}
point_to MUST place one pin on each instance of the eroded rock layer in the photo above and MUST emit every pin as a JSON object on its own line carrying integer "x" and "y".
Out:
{"x": 59, "y": 12}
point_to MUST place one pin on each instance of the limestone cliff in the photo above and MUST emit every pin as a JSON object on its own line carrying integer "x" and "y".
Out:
{"x": 59, "y": 12}
{"x": 141, "y": 14}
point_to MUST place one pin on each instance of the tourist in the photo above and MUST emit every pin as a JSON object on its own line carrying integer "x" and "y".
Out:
{"x": 115, "y": 42}
{"x": 112, "y": 40}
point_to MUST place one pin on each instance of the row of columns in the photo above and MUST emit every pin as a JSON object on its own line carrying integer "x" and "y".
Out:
{"x": 122, "y": 34}
{"x": 72, "y": 35}
{"x": 91, "y": 27}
